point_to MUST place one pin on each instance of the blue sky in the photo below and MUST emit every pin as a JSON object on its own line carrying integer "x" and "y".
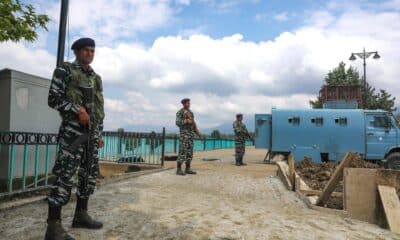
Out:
{"x": 228, "y": 56}
{"x": 256, "y": 20}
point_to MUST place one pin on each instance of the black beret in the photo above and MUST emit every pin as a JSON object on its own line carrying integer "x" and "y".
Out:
{"x": 239, "y": 115}
{"x": 185, "y": 100}
{"x": 83, "y": 42}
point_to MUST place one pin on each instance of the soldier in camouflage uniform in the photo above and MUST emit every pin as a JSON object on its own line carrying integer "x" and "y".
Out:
{"x": 66, "y": 96}
{"x": 241, "y": 135}
{"x": 187, "y": 129}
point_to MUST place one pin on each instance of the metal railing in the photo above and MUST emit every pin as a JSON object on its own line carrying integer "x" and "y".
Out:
{"x": 201, "y": 144}
{"x": 26, "y": 159}
{"x": 133, "y": 147}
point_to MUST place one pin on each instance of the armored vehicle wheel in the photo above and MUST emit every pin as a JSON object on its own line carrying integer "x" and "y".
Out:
{"x": 393, "y": 161}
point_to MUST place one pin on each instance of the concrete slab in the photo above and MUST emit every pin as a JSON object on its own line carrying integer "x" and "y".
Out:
{"x": 361, "y": 198}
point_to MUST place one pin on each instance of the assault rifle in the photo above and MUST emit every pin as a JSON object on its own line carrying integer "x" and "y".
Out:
{"x": 187, "y": 115}
{"x": 87, "y": 137}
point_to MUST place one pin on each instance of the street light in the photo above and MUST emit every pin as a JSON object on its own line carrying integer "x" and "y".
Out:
{"x": 364, "y": 55}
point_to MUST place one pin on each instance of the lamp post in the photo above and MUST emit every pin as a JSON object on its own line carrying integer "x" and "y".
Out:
{"x": 364, "y": 55}
{"x": 62, "y": 32}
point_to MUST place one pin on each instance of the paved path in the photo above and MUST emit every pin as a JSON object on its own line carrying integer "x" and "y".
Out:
{"x": 221, "y": 202}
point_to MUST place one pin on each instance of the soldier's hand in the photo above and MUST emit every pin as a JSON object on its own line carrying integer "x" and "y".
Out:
{"x": 84, "y": 118}
{"x": 189, "y": 121}
{"x": 101, "y": 143}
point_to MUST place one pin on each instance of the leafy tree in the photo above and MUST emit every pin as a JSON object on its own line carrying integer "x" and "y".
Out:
{"x": 339, "y": 76}
{"x": 216, "y": 134}
{"x": 385, "y": 101}
{"x": 20, "y": 21}
{"x": 318, "y": 103}
{"x": 398, "y": 118}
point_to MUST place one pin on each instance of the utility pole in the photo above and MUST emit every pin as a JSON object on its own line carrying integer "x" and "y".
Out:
{"x": 364, "y": 55}
{"x": 62, "y": 32}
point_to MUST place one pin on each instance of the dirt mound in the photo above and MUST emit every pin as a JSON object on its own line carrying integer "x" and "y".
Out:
{"x": 306, "y": 163}
{"x": 317, "y": 175}
{"x": 358, "y": 162}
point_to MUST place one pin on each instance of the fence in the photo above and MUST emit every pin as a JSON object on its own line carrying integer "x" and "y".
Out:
{"x": 201, "y": 144}
{"x": 26, "y": 158}
{"x": 133, "y": 147}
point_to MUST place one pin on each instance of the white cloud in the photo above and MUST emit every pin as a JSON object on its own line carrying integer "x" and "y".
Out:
{"x": 226, "y": 6}
{"x": 107, "y": 20}
{"x": 281, "y": 17}
{"x": 33, "y": 61}
{"x": 171, "y": 79}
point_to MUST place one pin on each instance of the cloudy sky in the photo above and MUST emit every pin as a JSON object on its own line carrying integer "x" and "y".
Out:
{"x": 227, "y": 56}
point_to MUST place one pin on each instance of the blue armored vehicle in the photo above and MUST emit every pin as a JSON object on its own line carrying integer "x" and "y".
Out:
{"x": 327, "y": 134}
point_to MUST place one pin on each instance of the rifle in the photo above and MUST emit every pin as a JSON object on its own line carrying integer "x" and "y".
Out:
{"x": 87, "y": 136}
{"x": 249, "y": 136}
{"x": 187, "y": 115}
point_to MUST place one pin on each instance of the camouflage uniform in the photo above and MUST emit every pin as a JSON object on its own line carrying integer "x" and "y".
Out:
{"x": 65, "y": 96}
{"x": 185, "y": 138}
{"x": 241, "y": 135}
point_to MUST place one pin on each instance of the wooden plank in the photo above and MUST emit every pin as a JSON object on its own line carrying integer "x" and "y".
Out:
{"x": 336, "y": 177}
{"x": 297, "y": 183}
{"x": 391, "y": 205}
{"x": 311, "y": 192}
{"x": 292, "y": 172}
{"x": 283, "y": 172}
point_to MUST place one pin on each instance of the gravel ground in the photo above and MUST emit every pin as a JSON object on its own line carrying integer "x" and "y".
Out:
{"x": 221, "y": 202}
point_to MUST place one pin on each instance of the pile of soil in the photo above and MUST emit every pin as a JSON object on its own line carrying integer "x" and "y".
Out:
{"x": 317, "y": 175}
{"x": 358, "y": 162}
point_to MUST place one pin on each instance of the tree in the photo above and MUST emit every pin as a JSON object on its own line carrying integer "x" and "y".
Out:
{"x": 398, "y": 118}
{"x": 20, "y": 21}
{"x": 385, "y": 101}
{"x": 216, "y": 134}
{"x": 339, "y": 76}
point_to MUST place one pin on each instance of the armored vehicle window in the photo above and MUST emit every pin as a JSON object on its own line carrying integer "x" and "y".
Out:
{"x": 393, "y": 119}
{"x": 317, "y": 121}
{"x": 341, "y": 121}
{"x": 294, "y": 120}
{"x": 381, "y": 122}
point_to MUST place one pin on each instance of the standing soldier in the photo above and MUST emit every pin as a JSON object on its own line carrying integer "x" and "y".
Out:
{"x": 241, "y": 135}
{"x": 187, "y": 129}
{"x": 67, "y": 96}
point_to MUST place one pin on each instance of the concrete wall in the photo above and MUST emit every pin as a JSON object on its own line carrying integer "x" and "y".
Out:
{"x": 29, "y": 109}
{"x": 23, "y": 104}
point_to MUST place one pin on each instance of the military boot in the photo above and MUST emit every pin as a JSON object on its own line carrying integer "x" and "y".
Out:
{"x": 179, "y": 169}
{"x": 237, "y": 161}
{"x": 82, "y": 218}
{"x": 241, "y": 162}
{"x": 188, "y": 170}
{"x": 55, "y": 230}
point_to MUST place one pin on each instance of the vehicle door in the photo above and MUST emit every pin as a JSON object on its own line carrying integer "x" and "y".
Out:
{"x": 381, "y": 135}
